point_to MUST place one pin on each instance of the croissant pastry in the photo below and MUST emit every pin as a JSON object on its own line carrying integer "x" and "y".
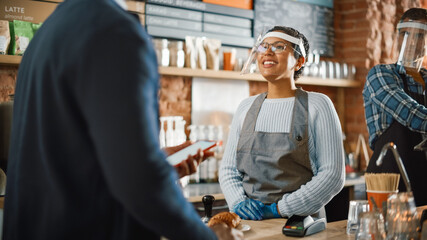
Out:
{"x": 229, "y": 218}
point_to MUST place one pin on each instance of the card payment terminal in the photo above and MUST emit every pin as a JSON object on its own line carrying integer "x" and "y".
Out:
{"x": 300, "y": 226}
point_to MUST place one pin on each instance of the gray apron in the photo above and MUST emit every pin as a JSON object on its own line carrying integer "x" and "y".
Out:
{"x": 273, "y": 164}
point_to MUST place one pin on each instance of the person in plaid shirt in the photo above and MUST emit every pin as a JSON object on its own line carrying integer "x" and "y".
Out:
{"x": 394, "y": 100}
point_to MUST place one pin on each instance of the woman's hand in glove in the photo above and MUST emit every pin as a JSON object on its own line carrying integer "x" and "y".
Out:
{"x": 270, "y": 211}
{"x": 249, "y": 209}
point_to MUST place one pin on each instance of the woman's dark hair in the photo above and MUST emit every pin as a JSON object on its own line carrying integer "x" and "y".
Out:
{"x": 415, "y": 14}
{"x": 297, "y": 51}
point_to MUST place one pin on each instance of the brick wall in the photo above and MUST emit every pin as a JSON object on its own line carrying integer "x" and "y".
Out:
{"x": 175, "y": 97}
{"x": 7, "y": 81}
{"x": 363, "y": 36}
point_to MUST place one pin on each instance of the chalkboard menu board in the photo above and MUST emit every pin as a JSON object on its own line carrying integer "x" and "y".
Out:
{"x": 314, "y": 21}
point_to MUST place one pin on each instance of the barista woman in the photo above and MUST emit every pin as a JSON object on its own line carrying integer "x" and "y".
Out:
{"x": 284, "y": 154}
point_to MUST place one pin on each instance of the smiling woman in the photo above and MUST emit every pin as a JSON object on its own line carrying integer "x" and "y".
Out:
{"x": 284, "y": 154}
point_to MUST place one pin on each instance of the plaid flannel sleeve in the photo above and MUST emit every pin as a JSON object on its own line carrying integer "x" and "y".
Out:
{"x": 383, "y": 89}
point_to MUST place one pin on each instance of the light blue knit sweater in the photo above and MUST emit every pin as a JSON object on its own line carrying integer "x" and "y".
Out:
{"x": 325, "y": 147}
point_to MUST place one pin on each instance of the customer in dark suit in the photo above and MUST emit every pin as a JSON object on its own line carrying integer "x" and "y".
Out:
{"x": 85, "y": 161}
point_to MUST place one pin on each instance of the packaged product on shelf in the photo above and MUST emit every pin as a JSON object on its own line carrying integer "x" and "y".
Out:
{"x": 190, "y": 52}
{"x": 21, "y": 33}
{"x": 4, "y": 36}
{"x": 212, "y": 47}
{"x": 177, "y": 55}
{"x": 35, "y": 27}
{"x": 201, "y": 54}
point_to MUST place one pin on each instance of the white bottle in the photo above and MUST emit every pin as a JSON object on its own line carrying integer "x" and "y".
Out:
{"x": 195, "y": 177}
{"x": 211, "y": 132}
{"x": 180, "y": 55}
{"x": 193, "y": 133}
{"x": 169, "y": 132}
{"x": 165, "y": 53}
{"x": 201, "y": 134}
{"x": 162, "y": 134}
{"x": 212, "y": 162}
{"x": 179, "y": 132}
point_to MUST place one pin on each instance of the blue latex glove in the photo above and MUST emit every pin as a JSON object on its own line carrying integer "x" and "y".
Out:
{"x": 270, "y": 211}
{"x": 249, "y": 209}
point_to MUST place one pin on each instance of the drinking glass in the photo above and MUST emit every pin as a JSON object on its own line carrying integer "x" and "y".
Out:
{"x": 351, "y": 72}
{"x": 402, "y": 220}
{"x": 308, "y": 64}
{"x": 337, "y": 69}
{"x": 371, "y": 226}
{"x": 356, "y": 207}
{"x": 322, "y": 69}
{"x": 344, "y": 71}
{"x": 330, "y": 70}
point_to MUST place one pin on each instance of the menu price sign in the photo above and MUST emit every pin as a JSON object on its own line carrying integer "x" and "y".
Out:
{"x": 316, "y": 22}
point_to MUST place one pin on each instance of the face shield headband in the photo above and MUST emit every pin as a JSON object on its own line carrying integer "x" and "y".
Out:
{"x": 250, "y": 63}
{"x": 288, "y": 38}
{"x": 412, "y": 50}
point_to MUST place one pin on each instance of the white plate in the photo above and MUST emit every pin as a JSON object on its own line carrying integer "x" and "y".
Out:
{"x": 244, "y": 227}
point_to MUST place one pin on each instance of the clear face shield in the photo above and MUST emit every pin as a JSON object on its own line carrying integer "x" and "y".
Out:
{"x": 411, "y": 44}
{"x": 277, "y": 47}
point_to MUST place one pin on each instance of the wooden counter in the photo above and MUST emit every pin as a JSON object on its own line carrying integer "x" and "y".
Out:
{"x": 272, "y": 229}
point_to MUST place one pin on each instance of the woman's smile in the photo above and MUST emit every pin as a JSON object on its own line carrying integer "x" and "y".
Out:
{"x": 268, "y": 63}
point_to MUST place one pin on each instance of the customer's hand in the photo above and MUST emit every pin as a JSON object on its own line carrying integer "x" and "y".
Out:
{"x": 223, "y": 232}
{"x": 189, "y": 165}
{"x": 249, "y": 209}
{"x": 270, "y": 211}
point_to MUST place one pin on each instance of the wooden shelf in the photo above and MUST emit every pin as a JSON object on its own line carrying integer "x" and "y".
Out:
{"x": 221, "y": 74}
{"x": 233, "y": 75}
{"x": 10, "y": 60}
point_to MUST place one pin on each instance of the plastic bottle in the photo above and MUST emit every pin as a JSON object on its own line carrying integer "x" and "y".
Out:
{"x": 211, "y": 162}
{"x": 195, "y": 177}
{"x": 165, "y": 53}
{"x": 162, "y": 134}
{"x": 169, "y": 133}
{"x": 180, "y": 55}
{"x": 204, "y": 166}
{"x": 201, "y": 134}
{"x": 179, "y": 133}
{"x": 193, "y": 133}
